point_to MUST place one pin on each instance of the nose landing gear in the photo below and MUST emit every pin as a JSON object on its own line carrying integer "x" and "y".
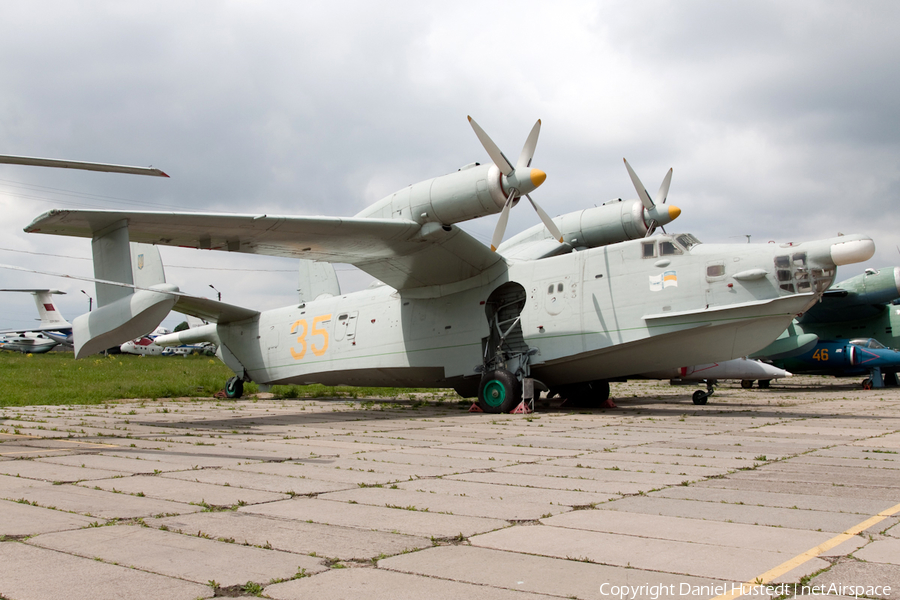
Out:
{"x": 701, "y": 397}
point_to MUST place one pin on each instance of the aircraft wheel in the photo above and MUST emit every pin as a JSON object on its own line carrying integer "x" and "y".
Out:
{"x": 764, "y": 384}
{"x": 748, "y": 383}
{"x": 700, "y": 397}
{"x": 234, "y": 387}
{"x": 499, "y": 392}
{"x": 593, "y": 394}
{"x": 867, "y": 384}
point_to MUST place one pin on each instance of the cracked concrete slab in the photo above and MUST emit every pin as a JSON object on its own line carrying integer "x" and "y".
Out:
{"x": 300, "y": 537}
{"x": 717, "y": 561}
{"x": 179, "y": 556}
{"x": 63, "y": 575}
{"x": 18, "y": 519}
{"x": 666, "y": 492}
{"x": 376, "y": 584}
{"x": 537, "y": 574}
{"x": 856, "y": 579}
{"x": 881, "y": 551}
{"x": 189, "y": 492}
{"x": 379, "y": 518}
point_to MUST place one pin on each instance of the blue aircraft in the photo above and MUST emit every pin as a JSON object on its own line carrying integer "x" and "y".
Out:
{"x": 848, "y": 358}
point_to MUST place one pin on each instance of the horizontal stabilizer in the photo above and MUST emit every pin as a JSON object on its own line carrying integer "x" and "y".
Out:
{"x": 125, "y": 319}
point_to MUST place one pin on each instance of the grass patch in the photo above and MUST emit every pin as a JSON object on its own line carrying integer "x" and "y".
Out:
{"x": 57, "y": 378}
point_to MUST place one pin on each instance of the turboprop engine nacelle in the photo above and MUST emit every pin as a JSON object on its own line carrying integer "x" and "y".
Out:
{"x": 612, "y": 222}
{"x": 473, "y": 191}
{"x": 609, "y": 223}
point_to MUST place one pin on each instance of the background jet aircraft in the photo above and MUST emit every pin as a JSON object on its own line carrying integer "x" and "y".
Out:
{"x": 52, "y": 330}
{"x": 28, "y": 343}
{"x": 848, "y": 358}
{"x": 833, "y": 337}
{"x": 454, "y": 313}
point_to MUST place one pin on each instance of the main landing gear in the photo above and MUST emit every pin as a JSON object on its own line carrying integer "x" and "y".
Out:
{"x": 590, "y": 394}
{"x": 234, "y": 387}
{"x": 748, "y": 384}
{"x": 499, "y": 392}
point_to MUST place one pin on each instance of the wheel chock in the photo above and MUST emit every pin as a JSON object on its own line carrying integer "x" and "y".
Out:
{"x": 475, "y": 408}
{"x": 522, "y": 409}
{"x": 608, "y": 403}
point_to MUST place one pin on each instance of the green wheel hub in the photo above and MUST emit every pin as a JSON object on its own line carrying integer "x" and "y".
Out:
{"x": 494, "y": 393}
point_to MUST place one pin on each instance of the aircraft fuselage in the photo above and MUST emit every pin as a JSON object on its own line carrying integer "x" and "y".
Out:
{"x": 662, "y": 302}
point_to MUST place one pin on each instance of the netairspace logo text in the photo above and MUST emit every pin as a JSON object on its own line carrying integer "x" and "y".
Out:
{"x": 656, "y": 591}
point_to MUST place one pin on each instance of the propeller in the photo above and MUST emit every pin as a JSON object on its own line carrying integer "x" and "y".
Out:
{"x": 517, "y": 181}
{"x": 655, "y": 214}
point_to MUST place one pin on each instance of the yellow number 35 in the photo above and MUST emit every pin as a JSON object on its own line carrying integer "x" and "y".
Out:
{"x": 301, "y": 328}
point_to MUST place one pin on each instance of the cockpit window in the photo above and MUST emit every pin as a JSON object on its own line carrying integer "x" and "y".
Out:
{"x": 868, "y": 343}
{"x": 667, "y": 248}
{"x": 648, "y": 250}
{"x": 687, "y": 241}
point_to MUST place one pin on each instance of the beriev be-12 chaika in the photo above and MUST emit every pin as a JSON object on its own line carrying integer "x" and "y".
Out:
{"x": 568, "y": 305}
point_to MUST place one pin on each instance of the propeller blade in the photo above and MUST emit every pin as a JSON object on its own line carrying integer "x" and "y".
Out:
{"x": 528, "y": 149}
{"x": 501, "y": 224}
{"x": 641, "y": 190}
{"x": 663, "y": 192}
{"x": 548, "y": 222}
{"x": 492, "y": 149}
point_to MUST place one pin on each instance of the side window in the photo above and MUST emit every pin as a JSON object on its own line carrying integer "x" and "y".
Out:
{"x": 648, "y": 250}
{"x": 715, "y": 271}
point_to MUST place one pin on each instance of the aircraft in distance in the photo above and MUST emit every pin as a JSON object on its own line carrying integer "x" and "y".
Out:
{"x": 142, "y": 346}
{"x": 573, "y": 311}
{"x": 146, "y": 346}
{"x": 52, "y": 330}
{"x": 739, "y": 368}
{"x": 29, "y": 342}
{"x": 833, "y": 337}
{"x": 849, "y": 358}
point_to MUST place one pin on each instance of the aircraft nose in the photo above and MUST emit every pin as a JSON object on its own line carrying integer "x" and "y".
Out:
{"x": 537, "y": 177}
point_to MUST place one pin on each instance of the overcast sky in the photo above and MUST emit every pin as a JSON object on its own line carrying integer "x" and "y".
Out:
{"x": 779, "y": 118}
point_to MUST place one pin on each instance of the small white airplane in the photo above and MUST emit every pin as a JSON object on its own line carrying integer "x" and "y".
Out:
{"x": 591, "y": 301}
{"x": 53, "y": 329}
{"x": 146, "y": 346}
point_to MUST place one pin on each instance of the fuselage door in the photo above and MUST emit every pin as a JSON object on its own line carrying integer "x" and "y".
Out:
{"x": 345, "y": 326}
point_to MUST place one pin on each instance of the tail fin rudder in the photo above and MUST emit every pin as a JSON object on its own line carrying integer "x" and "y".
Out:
{"x": 122, "y": 313}
{"x": 50, "y": 316}
{"x": 317, "y": 279}
{"x": 146, "y": 265}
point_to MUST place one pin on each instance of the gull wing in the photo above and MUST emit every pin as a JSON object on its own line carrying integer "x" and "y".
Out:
{"x": 401, "y": 253}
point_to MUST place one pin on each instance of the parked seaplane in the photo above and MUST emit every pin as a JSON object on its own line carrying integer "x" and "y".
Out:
{"x": 583, "y": 299}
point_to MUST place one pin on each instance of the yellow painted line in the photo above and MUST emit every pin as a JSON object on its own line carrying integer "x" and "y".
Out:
{"x": 34, "y": 451}
{"x": 97, "y": 444}
{"x": 772, "y": 574}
